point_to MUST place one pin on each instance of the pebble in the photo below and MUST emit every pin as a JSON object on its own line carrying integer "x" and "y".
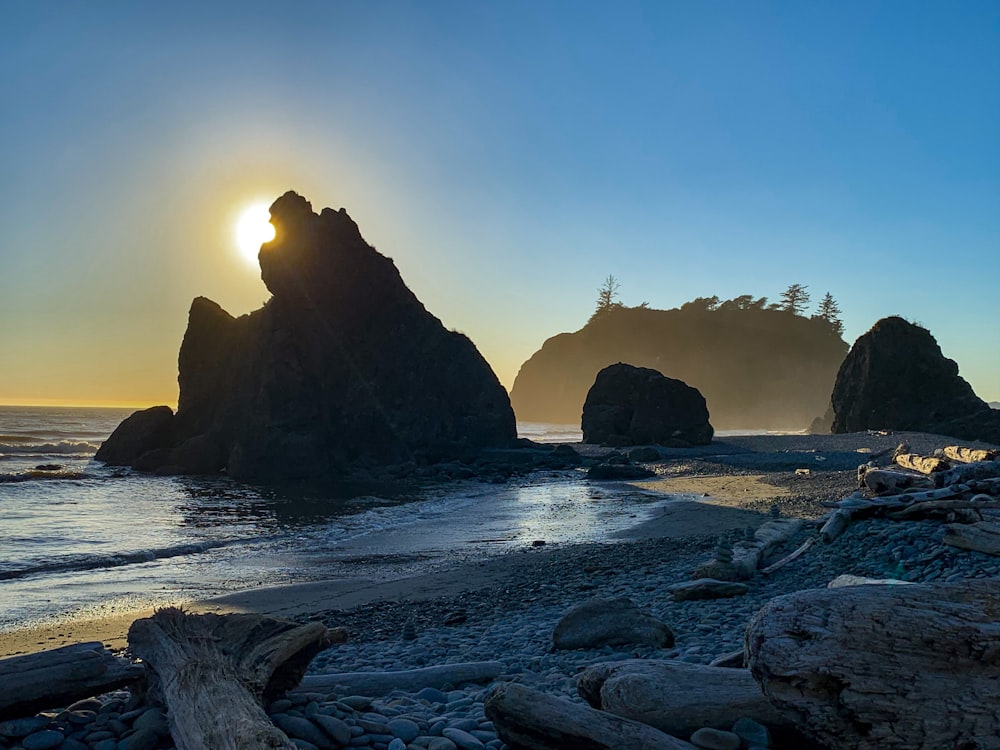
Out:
{"x": 46, "y": 739}
{"x": 715, "y": 739}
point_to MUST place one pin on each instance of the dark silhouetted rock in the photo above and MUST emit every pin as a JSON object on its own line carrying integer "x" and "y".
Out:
{"x": 141, "y": 432}
{"x": 637, "y": 406}
{"x": 896, "y": 378}
{"x": 619, "y": 471}
{"x": 343, "y": 369}
{"x": 610, "y": 622}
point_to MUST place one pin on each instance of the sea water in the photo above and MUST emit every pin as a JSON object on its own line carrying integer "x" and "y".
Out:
{"x": 79, "y": 538}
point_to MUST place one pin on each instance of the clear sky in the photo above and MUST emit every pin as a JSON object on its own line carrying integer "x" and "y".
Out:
{"x": 507, "y": 155}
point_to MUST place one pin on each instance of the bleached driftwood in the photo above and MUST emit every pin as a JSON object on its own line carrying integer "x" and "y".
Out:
{"x": 383, "y": 683}
{"x": 532, "y": 720}
{"x": 890, "y": 481}
{"x": 923, "y": 464}
{"x": 970, "y": 455}
{"x": 836, "y": 524}
{"x": 874, "y": 667}
{"x": 676, "y": 697}
{"x": 933, "y": 507}
{"x": 978, "y": 537}
{"x": 212, "y": 671}
{"x": 795, "y": 555}
{"x": 968, "y": 472}
{"x": 748, "y": 554}
{"x": 60, "y": 676}
{"x": 847, "y": 579}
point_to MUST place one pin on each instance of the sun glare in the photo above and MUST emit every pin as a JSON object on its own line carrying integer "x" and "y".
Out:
{"x": 253, "y": 229}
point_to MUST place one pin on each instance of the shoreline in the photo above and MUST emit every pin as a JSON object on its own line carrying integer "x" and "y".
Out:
{"x": 705, "y": 496}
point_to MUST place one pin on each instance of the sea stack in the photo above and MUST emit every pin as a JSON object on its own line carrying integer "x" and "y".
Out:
{"x": 342, "y": 368}
{"x": 896, "y": 378}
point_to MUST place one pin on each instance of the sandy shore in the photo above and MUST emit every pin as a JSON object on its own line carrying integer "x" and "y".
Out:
{"x": 713, "y": 493}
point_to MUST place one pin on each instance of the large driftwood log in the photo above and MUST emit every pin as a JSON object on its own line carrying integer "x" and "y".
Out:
{"x": 978, "y": 537}
{"x": 876, "y": 667}
{"x": 968, "y": 472}
{"x": 836, "y": 524}
{"x": 676, "y": 697}
{"x": 890, "y": 482}
{"x": 60, "y": 676}
{"x": 383, "y": 683}
{"x": 923, "y": 464}
{"x": 970, "y": 455}
{"x": 212, "y": 671}
{"x": 747, "y": 555}
{"x": 940, "y": 507}
{"x": 531, "y": 720}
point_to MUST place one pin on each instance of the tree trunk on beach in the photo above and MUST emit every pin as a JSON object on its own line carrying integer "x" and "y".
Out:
{"x": 875, "y": 667}
{"x": 213, "y": 671}
{"x": 531, "y": 720}
{"x": 60, "y": 676}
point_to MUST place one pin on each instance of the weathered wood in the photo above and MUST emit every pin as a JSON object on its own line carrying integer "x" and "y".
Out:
{"x": 676, "y": 697}
{"x": 968, "y": 472}
{"x": 706, "y": 588}
{"x": 212, "y": 672}
{"x": 889, "y": 481}
{"x": 57, "y": 677}
{"x": 970, "y": 455}
{"x": 847, "y": 579}
{"x": 748, "y": 554}
{"x": 836, "y": 524}
{"x": 532, "y": 720}
{"x": 978, "y": 537}
{"x": 382, "y": 683}
{"x": 792, "y": 556}
{"x": 875, "y": 667}
{"x": 932, "y": 507}
{"x": 923, "y": 464}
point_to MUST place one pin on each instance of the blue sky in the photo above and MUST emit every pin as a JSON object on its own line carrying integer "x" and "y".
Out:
{"x": 508, "y": 157}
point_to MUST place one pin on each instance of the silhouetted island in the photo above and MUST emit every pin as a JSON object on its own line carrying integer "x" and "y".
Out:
{"x": 342, "y": 368}
{"x": 758, "y": 367}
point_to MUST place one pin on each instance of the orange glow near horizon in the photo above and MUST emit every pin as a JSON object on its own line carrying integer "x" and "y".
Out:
{"x": 253, "y": 229}
{"x": 68, "y": 403}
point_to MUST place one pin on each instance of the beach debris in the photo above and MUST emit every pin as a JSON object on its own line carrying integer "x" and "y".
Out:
{"x": 706, "y": 588}
{"x": 197, "y": 663}
{"x": 797, "y": 553}
{"x": 677, "y": 697}
{"x": 611, "y": 471}
{"x": 610, "y": 622}
{"x": 60, "y": 676}
{"x": 748, "y": 553}
{"x": 846, "y": 579}
{"x": 963, "y": 454}
{"x": 383, "y": 683}
{"x": 871, "y": 667}
{"x": 533, "y": 720}
{"x": 923, "y": 464}
{"x": 978, "y": 537}
{"x": 836, "y": 524}
{"x": 730, "y": 660}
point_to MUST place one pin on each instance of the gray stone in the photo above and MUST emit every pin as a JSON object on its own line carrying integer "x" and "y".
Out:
{"x": 616, "y": 622}
{"x": 441, "y": 743}
{"x": 142, "y": 739}
{"x": 109, "y": 744}
{"x": 22, "y": 727}
{"x": 432, "y": 695}
{"x": 707, "y": 588}
{"x": 397, "y": 744}
{"x": 715, "y": 739}
{"x": 463, "y": 740}
{"x": 752, "y": 732}
{"x": 303, "y": 729}
{"x": 336, "y": 728}
{"x": 152, "y": 719}
{"x": 404, "y": 729}
{"x": 46, "y": 739}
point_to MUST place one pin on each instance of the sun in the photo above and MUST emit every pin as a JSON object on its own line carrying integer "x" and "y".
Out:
{"x": 253, "y": 229}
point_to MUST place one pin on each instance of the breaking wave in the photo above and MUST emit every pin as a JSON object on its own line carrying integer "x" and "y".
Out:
{"x": 14, "y": 445}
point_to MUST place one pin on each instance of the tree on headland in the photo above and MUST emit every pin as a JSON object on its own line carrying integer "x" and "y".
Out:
{"x": 794, "y": 299}
{"x": 607, "y": 296}
{"x": 829, "y": 311}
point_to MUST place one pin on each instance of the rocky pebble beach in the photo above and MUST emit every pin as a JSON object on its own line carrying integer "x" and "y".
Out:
{"x": 512, "y": 622}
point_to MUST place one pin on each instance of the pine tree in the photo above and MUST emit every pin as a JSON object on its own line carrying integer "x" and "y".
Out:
{"x": 607, "y": 295}
{"x": 829, "y": 311}
{"x": 795, "y": 299}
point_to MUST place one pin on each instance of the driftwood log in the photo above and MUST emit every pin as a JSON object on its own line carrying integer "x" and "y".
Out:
{"x": 748, "y": 554}
{"x": 970, "y": 455}
{"x": 532, "y": 720}
{"x": 836, "y": 524}
{"x": 923, "y": 464}
{"x": 383, "y": 683}
{"x": 60, "y": 676}
{"x": 212, "y": 672}
{"x": 978, "y": 537}
{"x": 676, "y": 697}
{"x": 876, "y": 667}
{"x": 891, "y": 481}
{"x": 964, "y": 473}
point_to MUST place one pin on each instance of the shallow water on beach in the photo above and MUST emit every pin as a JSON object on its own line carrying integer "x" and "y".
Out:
{"x": 83, "y": 538}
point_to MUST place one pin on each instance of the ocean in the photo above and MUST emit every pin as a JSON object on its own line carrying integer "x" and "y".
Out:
{"x": 80, "y": 539}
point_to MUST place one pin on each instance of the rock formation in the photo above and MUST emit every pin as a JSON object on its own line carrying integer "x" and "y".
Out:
{"x": 342, "y": 368}
{"x": 756, "y": 368}
{"x": 896, "y": 378}
{"x": 638, "y": 406}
